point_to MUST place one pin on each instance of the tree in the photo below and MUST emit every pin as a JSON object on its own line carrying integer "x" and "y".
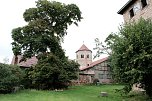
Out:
{"x": 131, "y": 56}
{"x": 101, "y": 48}
{"x": 46, "y": 27}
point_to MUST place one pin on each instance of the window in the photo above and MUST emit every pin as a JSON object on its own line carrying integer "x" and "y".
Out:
{"x": 82, "y": 56}
{"x": 131, "y": 13}
{"x": 87, "y": 56}
{"x": 88, "y": 64}
{"x": 144, "y": 3}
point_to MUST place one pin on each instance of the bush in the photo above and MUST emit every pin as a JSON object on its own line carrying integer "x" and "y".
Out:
{"x": 53, "y": 73}
{"x": 27, "y": 81}
{"x": 131, "y": 56}
{"x": 10, "y": 77}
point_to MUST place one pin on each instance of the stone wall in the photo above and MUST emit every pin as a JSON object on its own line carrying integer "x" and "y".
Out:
{"x": 145, "y": 12}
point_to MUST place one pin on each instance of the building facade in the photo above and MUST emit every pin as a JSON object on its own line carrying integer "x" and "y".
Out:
{"x": 133, "y": 10}
{"x": 89, "y": 71}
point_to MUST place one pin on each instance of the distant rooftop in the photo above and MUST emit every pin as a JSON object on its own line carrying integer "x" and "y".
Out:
{"x": 95, "y": 63}
{"x": 28, "y": 63}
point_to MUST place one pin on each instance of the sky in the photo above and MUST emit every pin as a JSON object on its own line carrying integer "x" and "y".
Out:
{"x": 100, "y": 18}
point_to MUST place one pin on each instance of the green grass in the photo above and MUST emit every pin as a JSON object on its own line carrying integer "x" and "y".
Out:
{"x": 75, "y": 93}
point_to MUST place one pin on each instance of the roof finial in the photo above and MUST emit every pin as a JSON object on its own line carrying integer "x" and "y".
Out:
{"x": 83, "y": 42}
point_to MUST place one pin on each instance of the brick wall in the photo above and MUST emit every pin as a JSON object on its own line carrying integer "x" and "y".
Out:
{"x": 145, "y": 12}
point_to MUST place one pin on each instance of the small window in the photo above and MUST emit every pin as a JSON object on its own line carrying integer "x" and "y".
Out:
{"x": 82, "y": 56}
{"x": 144, "y": 3}
{"x": 87, "y": 56}
{"x": 131, "y": 13}
{"x": 88, "y": 64}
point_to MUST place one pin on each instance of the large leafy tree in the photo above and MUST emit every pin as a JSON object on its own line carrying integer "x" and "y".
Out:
{"x": 46, "y": 27}
{"x": 131, "y": 54}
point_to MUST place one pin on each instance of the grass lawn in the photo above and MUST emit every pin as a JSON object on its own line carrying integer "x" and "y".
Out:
{"x": 75, "y": 93}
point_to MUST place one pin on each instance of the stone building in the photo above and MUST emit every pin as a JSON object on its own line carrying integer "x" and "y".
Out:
{"x": 133, "y": 10}
{"x": 89, "y": 71}
{"x": 84, "y": 56}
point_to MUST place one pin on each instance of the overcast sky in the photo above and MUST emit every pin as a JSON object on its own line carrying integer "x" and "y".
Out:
{"x": 100, "y": 19}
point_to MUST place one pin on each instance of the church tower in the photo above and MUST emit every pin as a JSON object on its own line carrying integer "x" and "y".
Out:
{"x": 84, "y": 56}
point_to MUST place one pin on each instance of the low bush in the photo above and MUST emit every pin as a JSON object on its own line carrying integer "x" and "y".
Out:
{"x": 10, "y": 77}
{"x": 27, "y": 81}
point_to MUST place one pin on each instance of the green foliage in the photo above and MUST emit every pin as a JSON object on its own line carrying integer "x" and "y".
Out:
{"x": 101, "y": 48}
{"x": 27, "y": 81}
{"x": 46, "y": 27}
{"x": 131, "y": 56}
{"x": 10, "y": 77}
{"x": 53, "y": 73}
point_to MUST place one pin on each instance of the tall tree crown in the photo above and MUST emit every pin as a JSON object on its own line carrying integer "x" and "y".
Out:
{"x": 46, "y": 27}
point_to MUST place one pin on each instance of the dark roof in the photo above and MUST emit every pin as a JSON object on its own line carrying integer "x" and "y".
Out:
{"x": 83, "y": 48}
{"x": 28, "y": 63}
{"x": 95, "y": 63}
{"x": 126, "y": 6}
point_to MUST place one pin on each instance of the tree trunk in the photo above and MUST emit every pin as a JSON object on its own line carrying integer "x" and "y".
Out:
{"x": 15, "y": 60}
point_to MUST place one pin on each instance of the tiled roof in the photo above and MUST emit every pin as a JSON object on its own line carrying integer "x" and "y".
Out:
{"x": 27, "y": 63}
{"x": 95, "y": 63}
{"x": 83, "y": 48}
{"x": 126, "y": 6}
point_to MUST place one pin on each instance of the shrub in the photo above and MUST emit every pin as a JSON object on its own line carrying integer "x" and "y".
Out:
{"x": 10, "y": 77}
{"x": 27, "y": 81}
{"x": 53, "y": 73}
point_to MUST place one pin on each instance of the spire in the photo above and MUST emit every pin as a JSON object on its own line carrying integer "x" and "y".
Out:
{"x": 83, "y": 48}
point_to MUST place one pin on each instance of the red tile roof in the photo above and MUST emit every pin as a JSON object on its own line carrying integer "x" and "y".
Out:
{"x": 83, "y": 48}
{"x": 27, "y": 63}
{"x": 95, "y": 63}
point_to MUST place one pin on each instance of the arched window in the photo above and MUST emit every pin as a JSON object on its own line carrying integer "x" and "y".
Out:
{"x": 82, "y": 56}
{"x": 88, "y": 56}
